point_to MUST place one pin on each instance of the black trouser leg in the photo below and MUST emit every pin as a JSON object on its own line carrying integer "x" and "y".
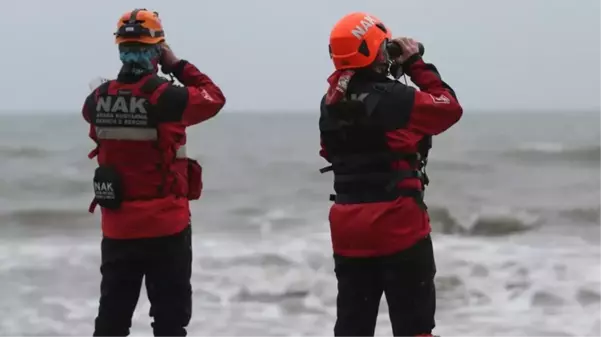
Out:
{"x": 408, "y": 279}
{"x": 168, "y": 276}
{"x": 119, "y": 289}
{"x": 359, "y": 294}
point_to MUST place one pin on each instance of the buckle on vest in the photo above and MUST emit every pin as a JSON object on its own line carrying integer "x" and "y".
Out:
{"x": 93, "y": 205}
{"x": 93, "y": 153}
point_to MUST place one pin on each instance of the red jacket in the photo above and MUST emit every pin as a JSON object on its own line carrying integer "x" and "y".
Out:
{"x": 150, "y": 158}
{"x": 382, "y": 228}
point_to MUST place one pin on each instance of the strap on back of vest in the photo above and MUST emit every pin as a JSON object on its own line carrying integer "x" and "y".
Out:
{"x": 103, "y": 89}
{"x": 380, "y": 197}
{"x": 371, "y": 103}
{"x": 149, "y": 87}
{"x": 379, "y": 90}
{"x": 391, "y": 178}
{"x": 152, "y": 84}
{"x": 362, "y": 159}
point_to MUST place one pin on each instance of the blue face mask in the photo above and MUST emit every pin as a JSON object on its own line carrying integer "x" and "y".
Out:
{"x": 140, "y": 59}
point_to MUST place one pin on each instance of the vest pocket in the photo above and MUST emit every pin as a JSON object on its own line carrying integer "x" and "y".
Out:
{"x": 108, "y": 187}
{"x": 194, "y": 179}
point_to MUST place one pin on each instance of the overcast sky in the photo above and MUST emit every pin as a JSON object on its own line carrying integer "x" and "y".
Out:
{"x": 271, "y": 55}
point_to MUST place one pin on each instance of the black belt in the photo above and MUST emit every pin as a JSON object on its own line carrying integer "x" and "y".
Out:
{"x": 394, "y": 176}
{"x": 391, "y": 179}
{"x": 359, "y": 160}
{"x": 370, "y": 197}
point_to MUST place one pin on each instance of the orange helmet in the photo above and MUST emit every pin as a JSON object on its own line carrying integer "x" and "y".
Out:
{"x": 356, "y": 39}
{"x": 140, "y": 25}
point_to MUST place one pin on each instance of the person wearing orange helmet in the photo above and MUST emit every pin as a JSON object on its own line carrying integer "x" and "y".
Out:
{"x": 144, "y": 180}
{"x": 376, "y": 133}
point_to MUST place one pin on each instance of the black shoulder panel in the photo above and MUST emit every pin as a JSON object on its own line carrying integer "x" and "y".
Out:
{"x": 173, "y": 103}
{"x": 396, "y": 105}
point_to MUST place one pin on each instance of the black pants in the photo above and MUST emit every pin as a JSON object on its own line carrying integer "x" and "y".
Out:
{"x": 407, "y": 280}
{"x": 166, "y": 264}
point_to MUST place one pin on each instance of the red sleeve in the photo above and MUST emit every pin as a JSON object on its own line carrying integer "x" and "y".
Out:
{"x": 87, "y": 105}
{"x": 85, "y": 111}
{"x": 435, "y": 107}
{"x": 205, "y": 98}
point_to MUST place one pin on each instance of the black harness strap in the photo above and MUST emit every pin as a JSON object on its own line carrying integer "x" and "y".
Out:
{"x": 375, "y": 177}
{"x": 369, "y": 197}
{"x": 149, "y": 87}
{"x": 103, "y": 89}
{"x": 358, "y": 160}
{"x": 389, "y": 193}
{"x": 133, "y": 16}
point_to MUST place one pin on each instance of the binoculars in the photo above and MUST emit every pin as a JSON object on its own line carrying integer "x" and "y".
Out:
{"x": 395, "y": 50}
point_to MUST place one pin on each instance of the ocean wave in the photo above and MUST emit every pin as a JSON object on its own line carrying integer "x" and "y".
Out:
{"x": 547, "y": 147}
{"x": 52, "y": 184}
{"x": 55, "y": 218}
{"x": 497, "y": 222}
{"x": 11, "y": 152}
{"x": 584, "y": 215}
{"x": 586, "y": 296}
{"x": 458, "y": 166}
{"x": 556, "y": 152}
{"x": 271, "y": 283}
{"x": 247, "y": 295}
{"x": 256, "y": 260}
{"x": 487, "y": 223}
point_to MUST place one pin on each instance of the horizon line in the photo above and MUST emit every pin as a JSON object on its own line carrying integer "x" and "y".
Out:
{"x": 14, "y": 112}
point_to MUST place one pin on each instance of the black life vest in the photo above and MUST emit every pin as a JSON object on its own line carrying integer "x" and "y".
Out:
{"x": 353, "y": 134}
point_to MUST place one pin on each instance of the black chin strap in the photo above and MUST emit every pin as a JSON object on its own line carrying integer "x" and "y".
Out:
{"x": 396, "y": 70}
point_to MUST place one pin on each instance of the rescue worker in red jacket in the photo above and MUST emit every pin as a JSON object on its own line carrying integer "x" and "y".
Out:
{"x": 144, "y": 180}
{"x": 376, "y": 133}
